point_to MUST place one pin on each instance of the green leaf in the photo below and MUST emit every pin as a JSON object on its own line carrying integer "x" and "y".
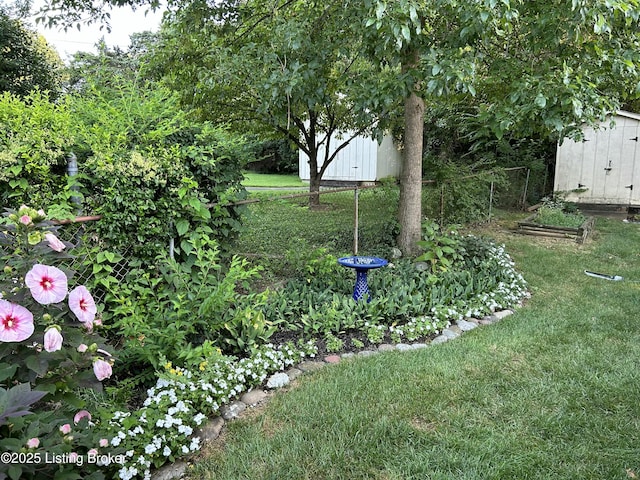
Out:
{"x": 14, "y": 471}
{"x": 406, "y": 33}
{"x": 38, "y": 364}
{"x": 182, "y": 226}
{"x": 7, "y": 371}
{"x": 541, "y": 101}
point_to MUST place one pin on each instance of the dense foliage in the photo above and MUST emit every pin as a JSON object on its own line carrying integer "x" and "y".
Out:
{"x": 27, "y": 62}
{"x": 144, "y": 166}
{"x": 37, "y": 137}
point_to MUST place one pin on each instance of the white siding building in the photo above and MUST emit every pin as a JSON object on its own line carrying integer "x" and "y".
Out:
{"x": 363, "y": 160}
{"x": 604, "y": 169}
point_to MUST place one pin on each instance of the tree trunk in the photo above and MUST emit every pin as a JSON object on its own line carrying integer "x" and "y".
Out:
{"x": 314, "y": 188}
{"x": 410, "y": 208}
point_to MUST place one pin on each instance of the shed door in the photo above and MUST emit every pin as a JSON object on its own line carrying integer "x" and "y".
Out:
{"x": 632, "y": 156}
{"x": 615, "y": 165}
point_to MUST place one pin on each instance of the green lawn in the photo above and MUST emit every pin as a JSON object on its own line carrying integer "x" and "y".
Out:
{"x": 289, "y": 228}
{"x": 265, "y": 180}
{"x": 551, "y": 392}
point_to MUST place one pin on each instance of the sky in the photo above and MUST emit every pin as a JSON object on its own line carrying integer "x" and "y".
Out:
{"x": 124, "y": 22}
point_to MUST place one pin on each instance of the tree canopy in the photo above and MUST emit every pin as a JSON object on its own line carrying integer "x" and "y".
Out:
{"x": 27, "y": 62}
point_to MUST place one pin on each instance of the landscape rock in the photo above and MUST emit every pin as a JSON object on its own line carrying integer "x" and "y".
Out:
{"x": 231, "y": 411}
{"x": 440, "y": 339}
{"x": 332, "y": 359}
{"x": 309, "y": 366}
{"x": 449, "y": 334}
{"x": 403, "y": 347}
{"x": 386, "y": 347}
{"x": 502, "y": 314}
{"x": 211, "y": 430}
{"x": 253, "y": 397}
{"x": 455, "y": 328}
{"x": 278, "y": 380}
{"x": 367, "y": 353}
{"x": 170, "y": 471}
{"x": 465, "y": 325}
{"x": 418, "y": 346}
{"x": 293, "y": 373}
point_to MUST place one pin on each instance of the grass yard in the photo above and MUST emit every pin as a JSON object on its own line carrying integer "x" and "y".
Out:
{"x": 265, "y": 180}
{"x": 278, "y": 226}
{"x": 550, "y": 392}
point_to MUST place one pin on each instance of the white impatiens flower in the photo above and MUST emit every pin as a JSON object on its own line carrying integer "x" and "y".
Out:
{"x": 150, "y": 449}
{"x": 166, "y": 452}
{"x": 195, "y": 444}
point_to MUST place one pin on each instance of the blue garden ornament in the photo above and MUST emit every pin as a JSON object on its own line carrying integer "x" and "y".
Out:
{"x": 362, "y": 265}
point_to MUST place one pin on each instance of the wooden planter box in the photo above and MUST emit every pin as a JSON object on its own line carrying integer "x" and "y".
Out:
{"x": 579, "y": 234}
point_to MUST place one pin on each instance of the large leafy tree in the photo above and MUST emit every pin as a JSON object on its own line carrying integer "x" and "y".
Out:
{"x": 526, "y": 66}
{"x": 292, "y": 69}
{"x": 109, "y": 66}
{"x": 27, "y": 62}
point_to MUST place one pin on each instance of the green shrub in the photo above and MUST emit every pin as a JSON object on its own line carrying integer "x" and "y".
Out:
{"x": 37, "y": 135}
{"x": 176, "y": 309}
{"x": 557, "y": 212}
{"x": 151, "y": 172}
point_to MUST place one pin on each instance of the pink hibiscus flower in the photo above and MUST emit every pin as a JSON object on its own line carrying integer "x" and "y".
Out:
{"x": 80, "y": 415}
{"x": 47, "y": 284}
{"x": 16, "y": 322}
{"x": 82, "y": 305}
{"x": 33, "y": 442}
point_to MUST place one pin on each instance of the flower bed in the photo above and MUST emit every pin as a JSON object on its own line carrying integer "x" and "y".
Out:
{"x": 196, "y": 365}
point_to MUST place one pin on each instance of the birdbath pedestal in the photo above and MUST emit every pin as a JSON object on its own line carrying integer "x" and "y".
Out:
{"x": 362, "y": 265}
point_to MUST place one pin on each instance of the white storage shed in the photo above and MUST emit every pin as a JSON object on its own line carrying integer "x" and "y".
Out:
{"x": 363, "y": 160}
{"x": 604, "y": 168}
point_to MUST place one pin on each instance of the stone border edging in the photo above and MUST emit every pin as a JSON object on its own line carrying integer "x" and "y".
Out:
{"x": 211, "y": 431}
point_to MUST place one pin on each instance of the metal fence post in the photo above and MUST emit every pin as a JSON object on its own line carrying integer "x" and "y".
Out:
{"x": 72, "y": 171}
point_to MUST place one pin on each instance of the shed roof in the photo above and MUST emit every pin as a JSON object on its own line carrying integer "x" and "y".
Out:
{"x": 623, "y": 113}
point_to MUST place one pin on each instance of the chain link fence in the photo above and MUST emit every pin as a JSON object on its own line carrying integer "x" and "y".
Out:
{"x": 373, "y": 210}
{"x": 349, "y": 219}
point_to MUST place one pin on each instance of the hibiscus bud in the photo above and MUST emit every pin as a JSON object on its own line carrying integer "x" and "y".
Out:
{"x": 82, "y": 348}
{"x": 54, "y": 242}
{"x": 65, "y": 429}
{"x": 33, "y": 443}
{"x": 8, "y": 269}
{"x": 53, "y": 339}
{"x": 25, "y": 220}
{"x": 104, "y": 442}
{"x": 80, "y": 415}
